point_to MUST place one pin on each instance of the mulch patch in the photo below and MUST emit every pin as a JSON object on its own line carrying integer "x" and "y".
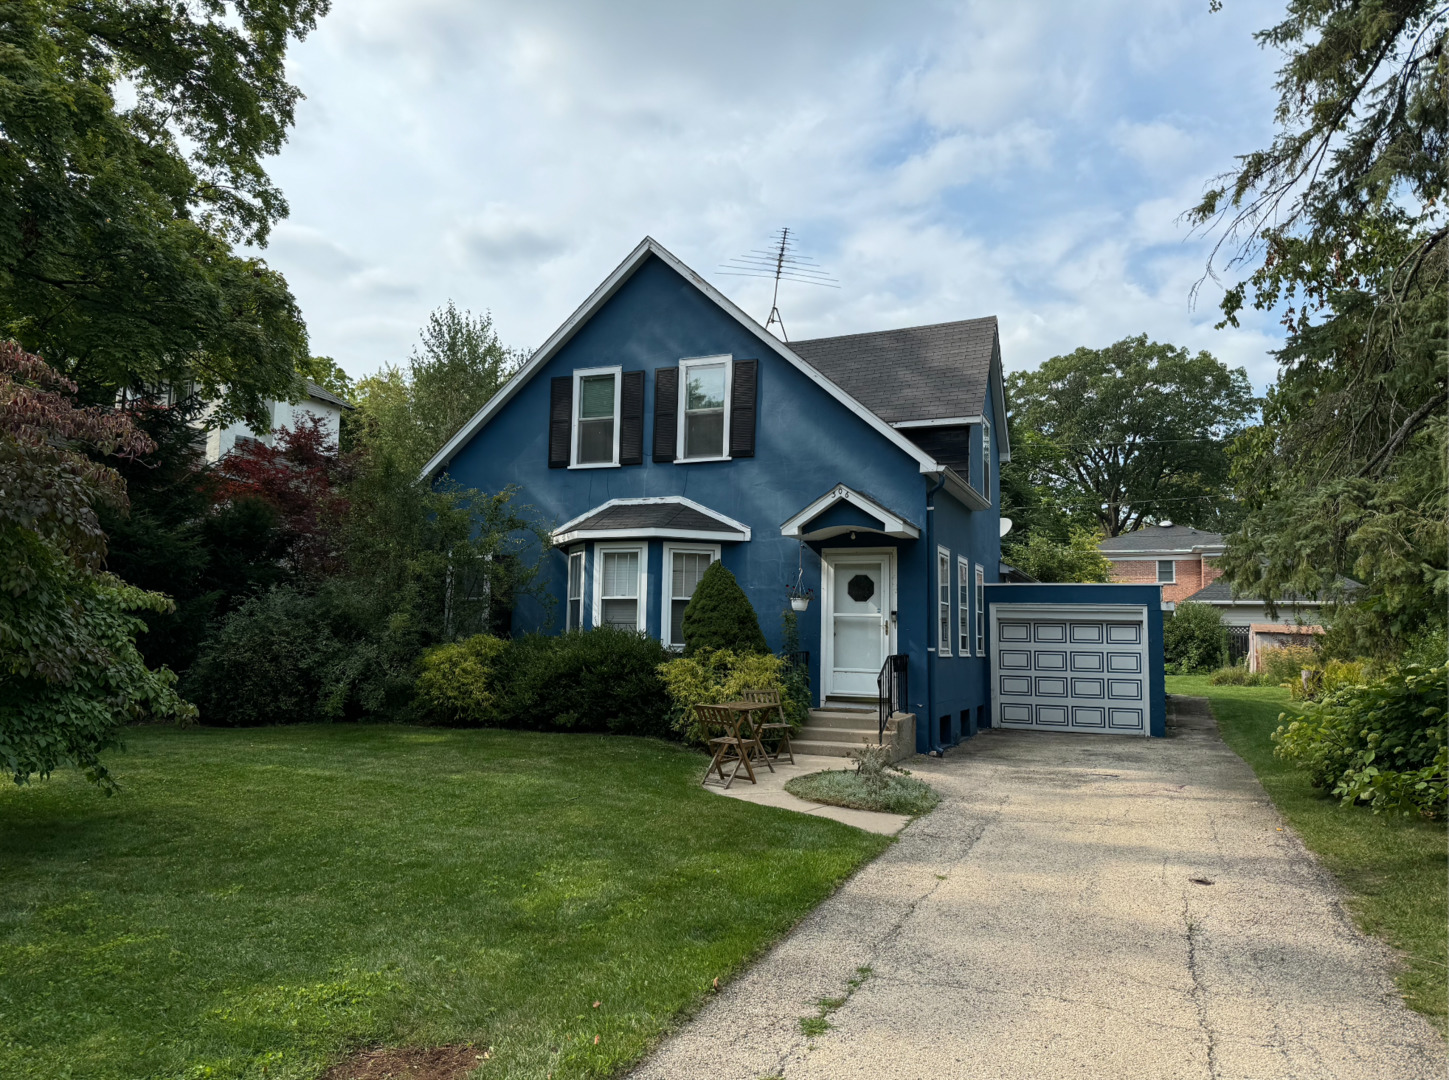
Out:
{"x": 409, "y": 1063}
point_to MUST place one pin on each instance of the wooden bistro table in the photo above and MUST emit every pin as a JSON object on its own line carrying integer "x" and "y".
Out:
{"x": 744, "y": 727}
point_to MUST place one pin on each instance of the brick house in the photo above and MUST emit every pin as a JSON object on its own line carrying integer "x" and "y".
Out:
{"x": 1173, "y": 556}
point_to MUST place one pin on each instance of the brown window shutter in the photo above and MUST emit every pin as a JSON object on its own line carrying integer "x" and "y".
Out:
{"x": 743, "y": 396}
{"x": 631, "y": 419}
{"x": 666, "y": 412}
{"x": 560, "y": 420}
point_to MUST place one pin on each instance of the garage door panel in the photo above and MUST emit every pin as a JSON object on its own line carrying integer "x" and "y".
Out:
{"x": 1091, "y": 681}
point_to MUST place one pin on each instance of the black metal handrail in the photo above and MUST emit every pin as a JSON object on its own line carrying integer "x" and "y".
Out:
{"x": 891, "y": 685}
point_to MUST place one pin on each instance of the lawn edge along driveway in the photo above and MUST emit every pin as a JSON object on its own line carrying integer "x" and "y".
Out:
{"x": 266, "y": 901}
{"x": 1394, "y": 871}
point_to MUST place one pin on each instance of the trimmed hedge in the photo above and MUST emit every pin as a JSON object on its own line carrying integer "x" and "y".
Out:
{"x": 720, "y": 616}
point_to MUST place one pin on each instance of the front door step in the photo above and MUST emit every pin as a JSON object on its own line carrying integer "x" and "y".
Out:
{"x": 839, "y": 732}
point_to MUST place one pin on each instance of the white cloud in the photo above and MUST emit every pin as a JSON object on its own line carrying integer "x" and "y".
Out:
{"x": 942, "y": 160}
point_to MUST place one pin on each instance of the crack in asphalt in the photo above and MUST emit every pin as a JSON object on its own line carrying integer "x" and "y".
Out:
{"x": 1199, "y": 989}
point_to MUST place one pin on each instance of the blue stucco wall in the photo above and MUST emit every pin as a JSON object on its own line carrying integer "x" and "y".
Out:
{"x": 806, "y": 442}
{"x": 1149, "y": 596}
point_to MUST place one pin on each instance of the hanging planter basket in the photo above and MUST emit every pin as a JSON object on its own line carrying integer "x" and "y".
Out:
{"x": 799, "y": 603}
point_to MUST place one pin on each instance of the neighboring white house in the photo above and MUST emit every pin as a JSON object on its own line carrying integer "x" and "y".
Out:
{"x": 323, "y": 404}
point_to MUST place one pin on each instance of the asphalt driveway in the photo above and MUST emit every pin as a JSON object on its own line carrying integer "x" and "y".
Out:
{"x": 1079, "y": 906}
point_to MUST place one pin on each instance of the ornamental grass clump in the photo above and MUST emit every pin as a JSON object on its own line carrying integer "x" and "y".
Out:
{"x": 1381, "y": 745}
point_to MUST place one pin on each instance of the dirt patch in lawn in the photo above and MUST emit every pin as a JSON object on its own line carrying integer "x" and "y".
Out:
{"x": 409, "y": 1063}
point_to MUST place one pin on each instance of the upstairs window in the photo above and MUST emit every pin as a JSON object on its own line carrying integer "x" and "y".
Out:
{"x": 704, "y": 386}
{"x": 619, "y": 587}
{"x": 574, "y": 620}
{"x": 596, "y": 417}
{"x": 1166, "y": 572}
{"x": 986, "y": 459}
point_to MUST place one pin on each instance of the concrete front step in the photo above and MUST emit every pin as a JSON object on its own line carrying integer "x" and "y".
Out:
{"x": 845, "y": 721}
{"x": 823, "y": 748}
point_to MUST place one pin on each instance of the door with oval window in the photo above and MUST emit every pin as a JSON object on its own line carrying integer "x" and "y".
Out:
{"x": 857, "y": 614}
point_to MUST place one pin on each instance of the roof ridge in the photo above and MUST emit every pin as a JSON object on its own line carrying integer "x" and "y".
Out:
{"x": 897, "y": 329}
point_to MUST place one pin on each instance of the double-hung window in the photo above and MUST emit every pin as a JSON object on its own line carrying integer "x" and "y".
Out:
{"x": 704, "y": 394}
{"x": 943, "y": 602}
{"x": 986, "y": 458}
{"x": 963, "y": 605}
{"x": 619, "y": 585}
{"x": 596, "y": 417}
{"x": 683, "y": 567}
{"x": 574, "y": 619}
{"x": 1166, "y": 572}
{"x": 980, "y": 610}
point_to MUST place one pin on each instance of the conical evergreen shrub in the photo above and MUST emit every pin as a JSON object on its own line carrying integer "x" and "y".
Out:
{"x": 720, "y": 616}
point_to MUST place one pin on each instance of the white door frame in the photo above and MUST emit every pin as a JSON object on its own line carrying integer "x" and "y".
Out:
{"x": 827, "y": 605}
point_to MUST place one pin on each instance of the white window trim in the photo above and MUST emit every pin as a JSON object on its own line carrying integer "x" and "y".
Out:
{"x": 963, "y": 604}
{"x": 1171, "y": 563}
{"x": 980, "y": 610}
{"x": 667, "y": 587}
{"x": 578, "y": 403}
{"x": 568, "y": 580}
{"x": 986, "y": 458}
{"x": 641, "y": 619}
{"x": 943, "y": 609}
{"x": 700, "y": 361}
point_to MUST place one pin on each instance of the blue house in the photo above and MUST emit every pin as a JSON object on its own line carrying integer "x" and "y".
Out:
{"x": 661, "y": 428}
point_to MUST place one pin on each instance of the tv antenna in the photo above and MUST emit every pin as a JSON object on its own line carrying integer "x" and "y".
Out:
{"x": 781, "y": 262}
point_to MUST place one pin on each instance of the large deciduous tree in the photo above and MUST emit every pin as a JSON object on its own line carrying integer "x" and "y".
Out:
{"x": 1133, "y": 432}
{"x": 132, "y": 140}
{"x": 70, "y": 674}
{"x": 1339, "y": 225}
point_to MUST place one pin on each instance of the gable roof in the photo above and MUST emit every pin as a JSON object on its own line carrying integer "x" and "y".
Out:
{"x": 600, "y": 296}
{"x": 1163, "y": 538}
{"x": 672, "y": 517}
{"x": 937, "y": 372}
{"x": 315, "y": 391}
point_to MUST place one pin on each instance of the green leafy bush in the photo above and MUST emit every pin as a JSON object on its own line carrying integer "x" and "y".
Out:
{"x": 711, "y": 676}
{"x": 1284, "y": 664}
{"x": 1194, "y": 639}
{"x": 1235, "y": 675}
{"x": 720, "y": 616}
{"x": 604, "y": 679}
{"x": 456, "y": 683}
{"x": 794, "y": 677}
{"x": 1325, "y": 678}
{"x": 289, "y": 657}
{"x": 1382, "y": 744}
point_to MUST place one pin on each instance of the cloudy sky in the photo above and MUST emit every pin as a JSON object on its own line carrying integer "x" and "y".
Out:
{"x": 942, "y": 160}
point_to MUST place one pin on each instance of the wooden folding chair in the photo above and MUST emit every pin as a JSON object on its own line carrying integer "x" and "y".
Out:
{"x": 777, "y": 729}
{"x": 729, "y": 746}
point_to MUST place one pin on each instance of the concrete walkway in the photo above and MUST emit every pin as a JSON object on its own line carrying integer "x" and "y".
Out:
{"x": 1054, "y": 918}
{"x": 770, "y": 791}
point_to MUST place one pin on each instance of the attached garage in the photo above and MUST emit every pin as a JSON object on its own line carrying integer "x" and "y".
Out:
{"x": 1076, "y": 658}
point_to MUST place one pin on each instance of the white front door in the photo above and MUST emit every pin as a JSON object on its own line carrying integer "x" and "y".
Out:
{"x": 857, "y": 613}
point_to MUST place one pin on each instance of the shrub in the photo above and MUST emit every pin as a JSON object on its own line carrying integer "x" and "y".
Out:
{"x": 894, "y": 793}
{"x": 288, "y": 656}
{"x": 604, "y": 679}
{"x": 795, "y": 678}
{"x": 720, "y": 616}
{"x": 456, "y": 681}
{"x": 1235, "y": 675}
{"x": 1382, "y": 744}
{"x": 711, "y": 676}
{"x": 1194, "y": 640}
{"x": 1283, "y": 664}
{"x": 1315, "y": 682}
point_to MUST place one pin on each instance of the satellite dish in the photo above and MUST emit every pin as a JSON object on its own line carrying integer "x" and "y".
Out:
{"x": 1005, "y": 525}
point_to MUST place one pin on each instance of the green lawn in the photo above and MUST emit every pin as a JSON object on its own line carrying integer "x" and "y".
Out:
{"x": 254, "y": 903}
{"x": 1394, "y": 870}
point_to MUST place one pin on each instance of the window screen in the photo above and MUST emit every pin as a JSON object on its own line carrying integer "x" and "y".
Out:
{"x": 596, "y": 420}
{"x": 619, "y": 589}
{"x": 686, "y": 568}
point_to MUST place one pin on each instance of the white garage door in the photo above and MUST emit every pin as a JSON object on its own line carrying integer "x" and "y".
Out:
{"x": 1070, "y": 668}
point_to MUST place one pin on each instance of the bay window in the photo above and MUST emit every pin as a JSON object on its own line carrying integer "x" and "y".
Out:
{"x": 619, "y": 586}
{"x": 683, "y": 567}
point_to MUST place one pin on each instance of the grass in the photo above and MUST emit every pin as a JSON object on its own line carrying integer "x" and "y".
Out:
{"x": 898, "y": 794}
{"x": 256, "y": 903}
{"x": 1393, "y": 869}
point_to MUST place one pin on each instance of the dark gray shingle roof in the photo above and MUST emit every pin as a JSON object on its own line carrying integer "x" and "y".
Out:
{"x": 648, "y": 516}
{"x": 313, "y": 390}
{"x": 1221, "y": 592}
{"x": 919, "y": 373}
{"x": 1161, "y": 538}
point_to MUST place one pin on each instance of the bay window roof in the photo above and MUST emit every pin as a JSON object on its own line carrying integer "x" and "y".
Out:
{"x": 670, "y": 518}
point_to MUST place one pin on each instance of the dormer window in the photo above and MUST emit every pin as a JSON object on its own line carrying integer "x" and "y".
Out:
{"x": 704, "y": 394}
{"x": 596, "y": 417}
